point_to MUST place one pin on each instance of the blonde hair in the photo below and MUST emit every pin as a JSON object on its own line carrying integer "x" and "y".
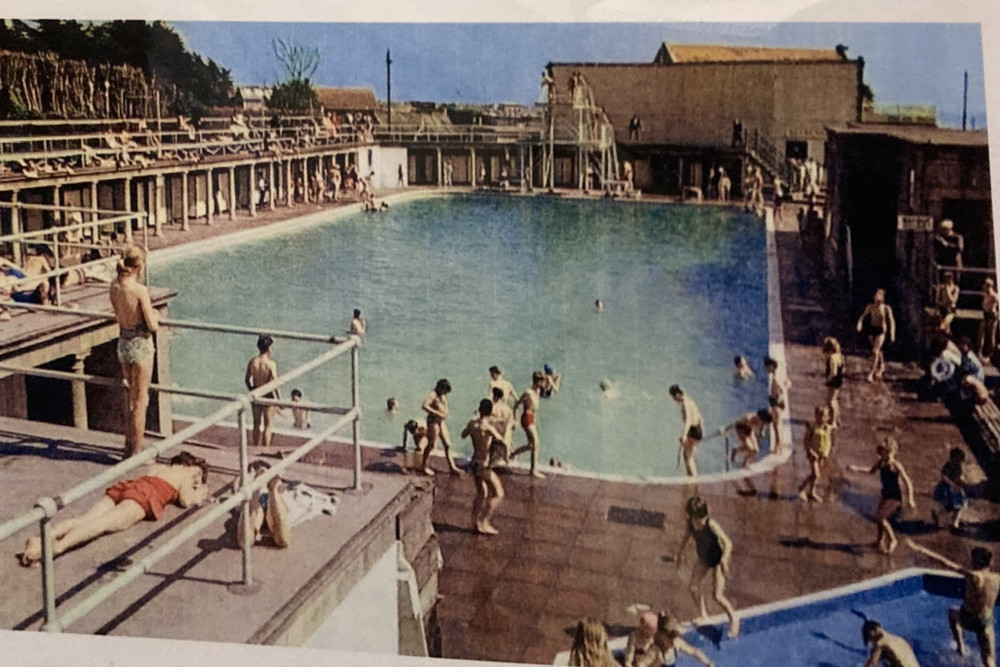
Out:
{"x": 890, "y": 446}
{"x": 590, "y": 645}
{"x": 132, "y": 259}
{"x": 831, "y": 345}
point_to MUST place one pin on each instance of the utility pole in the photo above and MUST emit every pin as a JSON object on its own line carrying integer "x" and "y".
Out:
{"x": 965, "y": 99}
{"x": 388, "y": 86}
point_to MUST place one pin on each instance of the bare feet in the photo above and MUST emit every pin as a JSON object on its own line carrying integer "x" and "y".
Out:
{"x": 456, "y": 472}
{"x": 816, "y": 498}
{"x": 487, "y": 529}
{"x": 428, "y": 471}
{"x": 32, "y": 552}
{"x": 537, "y": 475}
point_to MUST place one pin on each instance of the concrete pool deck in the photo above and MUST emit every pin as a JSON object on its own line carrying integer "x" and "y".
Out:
{"x": 518, "y": 596}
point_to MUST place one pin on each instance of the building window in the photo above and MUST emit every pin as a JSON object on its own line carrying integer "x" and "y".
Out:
{"x": 798, "y": 150}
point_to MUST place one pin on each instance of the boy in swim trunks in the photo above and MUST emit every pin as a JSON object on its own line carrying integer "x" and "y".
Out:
{"x": 946, "y": 301}
{"x": 988, "y": 327}
{"x": 417, "y": 431}
{"x": 885, "y": 648}
{"x": 503, "y": 421}
{"x": 775, "y": 399}
{"x": 183, "y": 481}
{"x": 692, "y": 429}
{"x": 747, "y": 428}
{"x": 976, "y": 613}
{"x": 435, "y": 404}
{"x": 715, "y": 552}
{"x": 260, "y": 371}
{"x": 489, "y": 490}
{"x": 880, "y": 322}
{"x": 498, "y": 380}
{"x": 529, "y": 404}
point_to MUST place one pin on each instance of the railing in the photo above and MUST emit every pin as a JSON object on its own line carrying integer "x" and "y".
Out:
{"x": 90, "y": 229}
{"x": 84, "y": 149}
{"x": 959, "y": 272}
{"x": 47, "y": 508}
{"x": 456, "y": 134}
{"x": 762, "y": 149}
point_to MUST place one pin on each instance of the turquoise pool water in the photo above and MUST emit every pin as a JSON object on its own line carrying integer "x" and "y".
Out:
{"x": 451, "y": 286}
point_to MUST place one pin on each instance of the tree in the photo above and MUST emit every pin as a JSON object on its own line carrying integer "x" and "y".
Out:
{"x": 300, "y": 62}
{"x": 294, "y": 96}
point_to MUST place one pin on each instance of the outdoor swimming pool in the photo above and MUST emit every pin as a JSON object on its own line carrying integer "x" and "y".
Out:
{"x": 824, "y": 630}
{"x": 453, "y": 285}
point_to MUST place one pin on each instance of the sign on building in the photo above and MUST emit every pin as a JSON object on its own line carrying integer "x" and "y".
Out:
{"x": 915, "y": 223}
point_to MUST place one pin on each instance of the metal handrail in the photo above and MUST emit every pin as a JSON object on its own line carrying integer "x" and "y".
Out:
{"x": 188, "y": 324}
{"x": 46, "y": 508}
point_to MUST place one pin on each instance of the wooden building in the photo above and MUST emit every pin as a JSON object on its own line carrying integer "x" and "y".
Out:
{"x": 889, "y": 187}
{"x": 691, "y": 98}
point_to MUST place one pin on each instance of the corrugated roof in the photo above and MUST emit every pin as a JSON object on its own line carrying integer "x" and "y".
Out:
{"x": 347, "y": 99}
{"x": 714, "y": 53}
{"x": 918, "y": 134}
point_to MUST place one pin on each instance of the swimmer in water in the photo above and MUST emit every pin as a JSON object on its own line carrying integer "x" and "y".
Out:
{"x": 550, "y": 382}
{"x": 391, "y": 407}
{"x": 743, "y": 370}
{"x": 598, "y": 306}
{"x": 609, "y": 390}
{"x": 885, "y": 648}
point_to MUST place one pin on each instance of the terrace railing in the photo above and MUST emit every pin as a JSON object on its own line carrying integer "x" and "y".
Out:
{"x": 46, "y": 509}
{"x": 80, "y": 237}
{"x": 456, "y": 134}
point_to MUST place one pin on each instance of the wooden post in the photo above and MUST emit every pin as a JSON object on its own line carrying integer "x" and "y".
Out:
{"x": 159, "y": 204}
{"x": 127, "y": 187}
{"x": 440, "y": 168}
{"x": 210, "y": 197}
{"x": 289, "y": 184}
{"x": 253, "y": 190}
{"x": 79, "y": 389}
{"x": 472, "y": 167}
{"x": 232, "y": 193}
{"x": 15, "y": 225}
{"x": 272, "y": 191}
{"x": 185, "y": 223}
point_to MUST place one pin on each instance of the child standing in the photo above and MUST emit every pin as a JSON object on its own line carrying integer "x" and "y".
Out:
{"x": 715, "y": 550}
{"x": 819, "y": 444}
{"x": 891, "y": 472}
{"x": 950, "y": 491}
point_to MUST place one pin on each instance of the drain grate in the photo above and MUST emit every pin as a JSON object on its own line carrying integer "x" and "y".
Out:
{"x": 631, "y": 516}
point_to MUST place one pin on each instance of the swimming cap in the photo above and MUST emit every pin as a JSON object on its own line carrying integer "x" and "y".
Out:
{"x": 548, "y": 369}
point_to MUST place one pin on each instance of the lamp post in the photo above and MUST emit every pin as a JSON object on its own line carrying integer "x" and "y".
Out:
{"x": 388, "y": 87}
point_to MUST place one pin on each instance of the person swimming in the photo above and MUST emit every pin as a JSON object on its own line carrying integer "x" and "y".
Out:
{"x": 608, "y": 389}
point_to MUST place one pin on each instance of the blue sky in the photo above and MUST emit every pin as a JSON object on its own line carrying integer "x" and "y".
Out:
{"x": 480, "y": 63}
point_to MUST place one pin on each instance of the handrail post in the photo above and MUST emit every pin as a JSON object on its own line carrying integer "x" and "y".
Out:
{"x": 55, "y": 251}
{"x": 52, "y": 623}
{"x": 356, "y": 404}
{"x": 248, "y": 528}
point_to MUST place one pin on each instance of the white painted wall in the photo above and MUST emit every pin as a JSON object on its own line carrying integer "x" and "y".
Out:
{"x": 385, "y": 164}
{"x": 368, "y": 618}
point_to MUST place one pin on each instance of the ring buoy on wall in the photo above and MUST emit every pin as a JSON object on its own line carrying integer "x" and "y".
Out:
{"x": 942, "y": 369}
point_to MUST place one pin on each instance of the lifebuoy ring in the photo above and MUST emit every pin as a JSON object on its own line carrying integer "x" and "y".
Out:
{"x": 942, "y": 369}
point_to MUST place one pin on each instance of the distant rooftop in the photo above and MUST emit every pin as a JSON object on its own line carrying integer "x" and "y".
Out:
{"x": 670, "y": 54}
{"x": 347, "y": 99}
{"x": 918, "y": 134}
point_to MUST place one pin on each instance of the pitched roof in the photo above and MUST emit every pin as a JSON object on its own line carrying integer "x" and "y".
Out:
{"x": 254, "y": 93}
{"x": 714, "y": 53}
{"x": 347, "y": 99}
